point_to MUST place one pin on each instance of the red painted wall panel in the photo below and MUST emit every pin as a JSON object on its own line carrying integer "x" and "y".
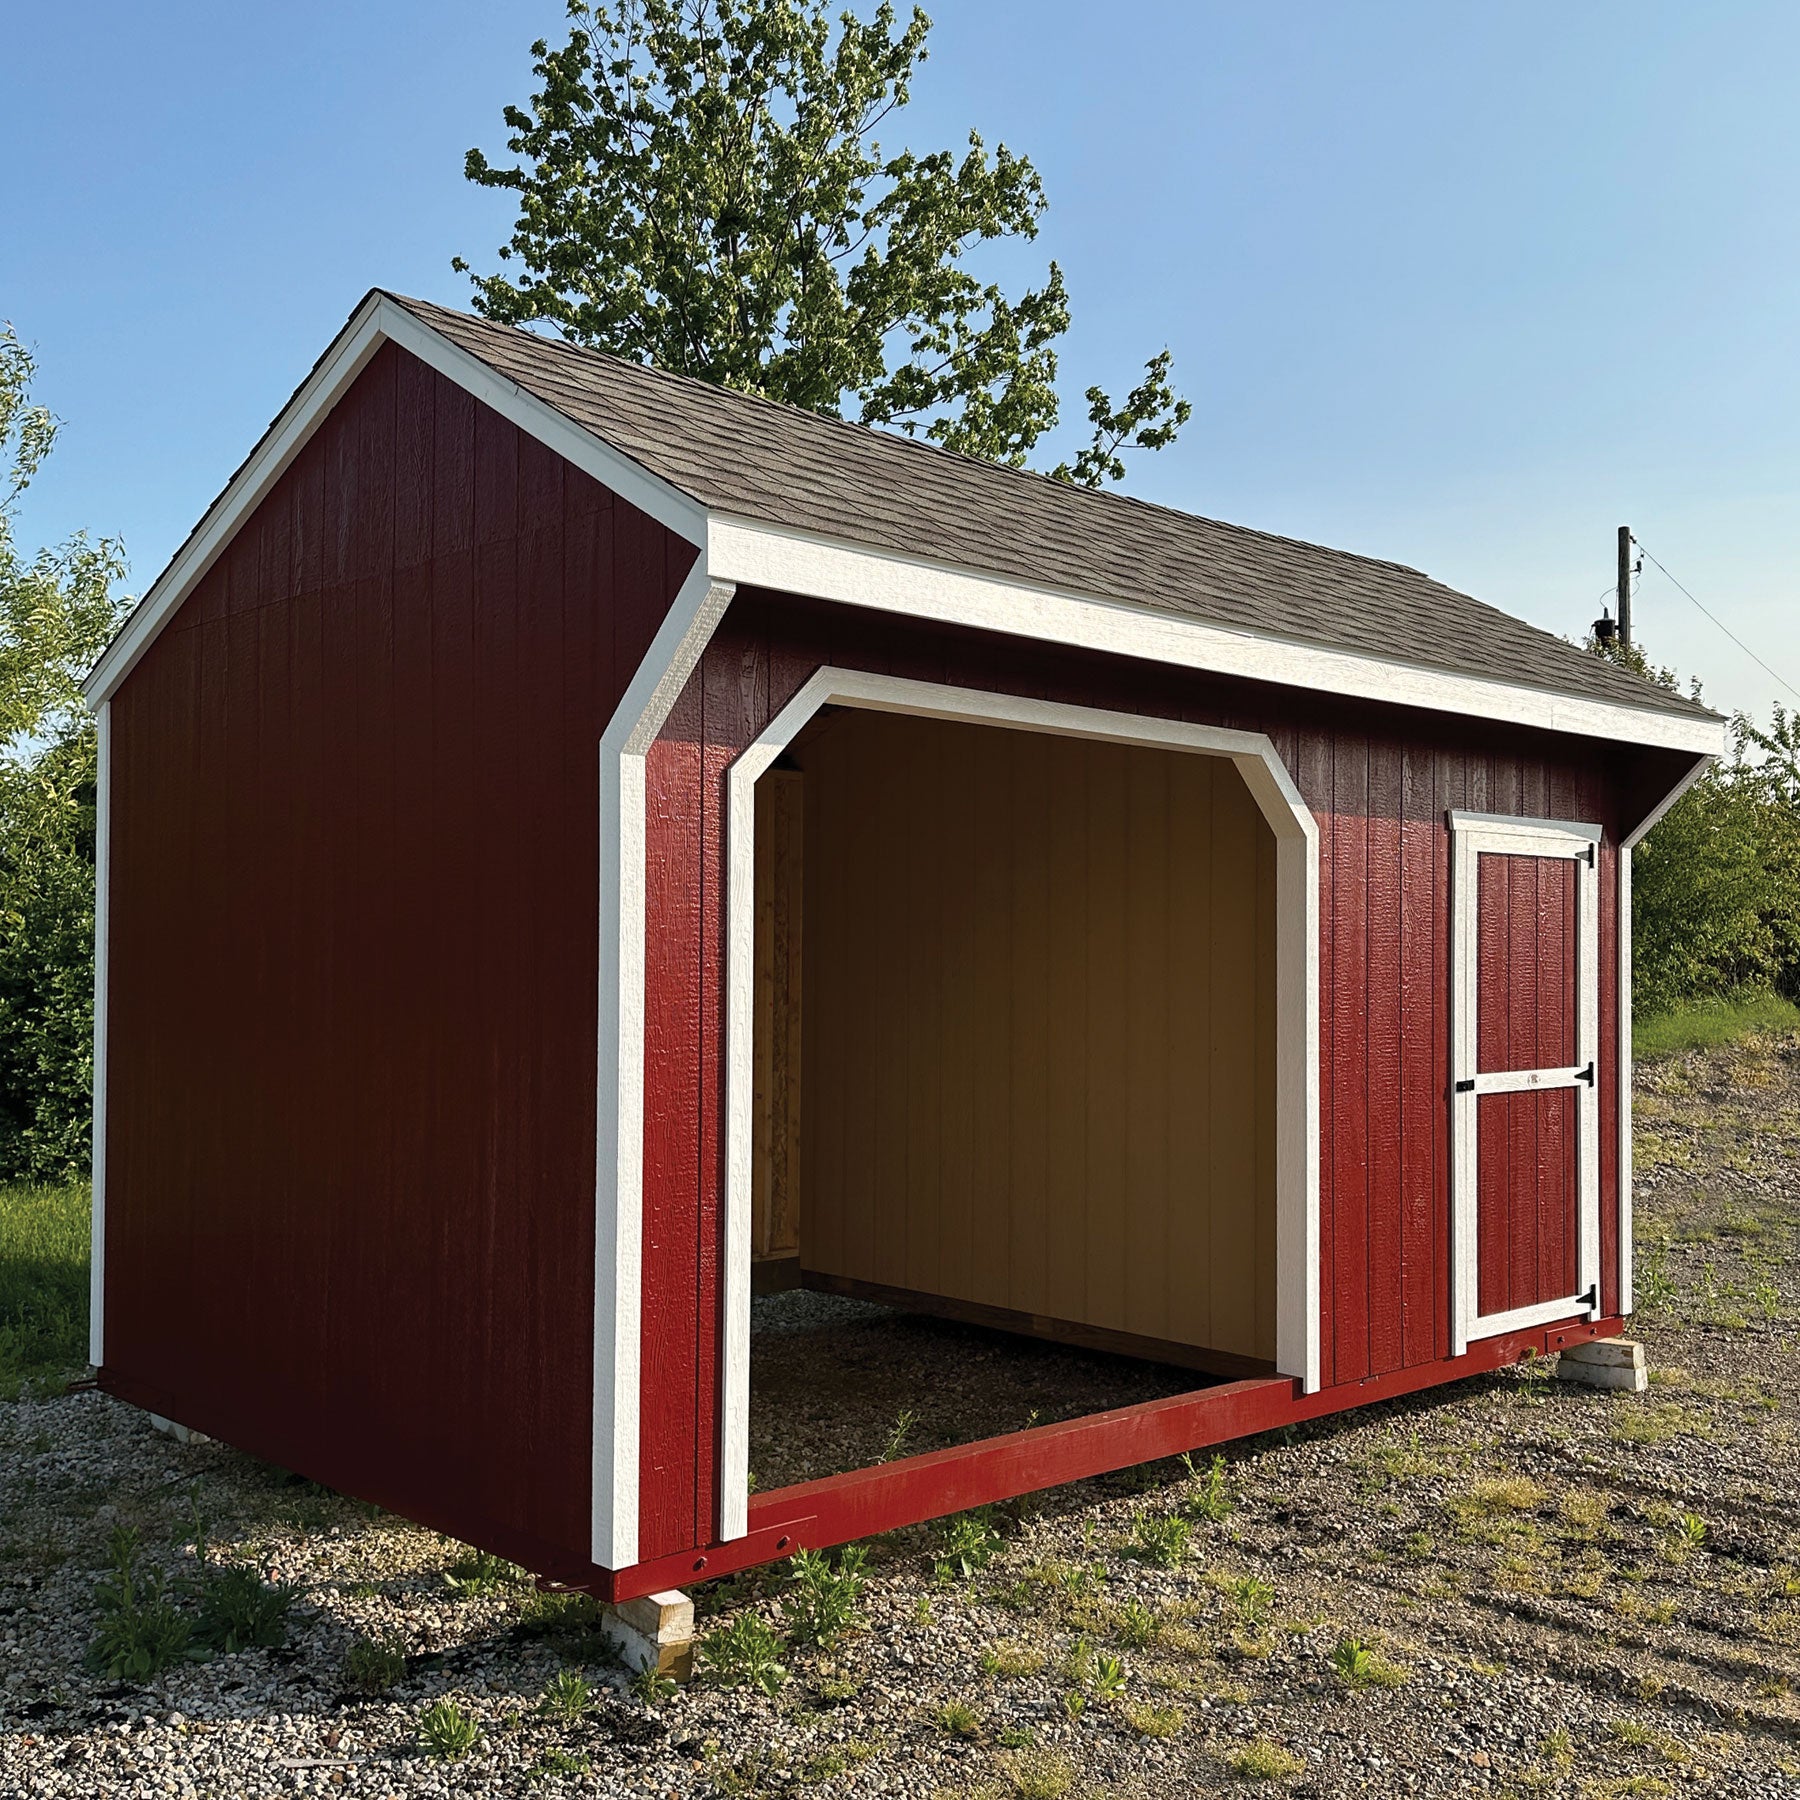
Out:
{"x": 351, "y": 1052}
{"x": 1379, "y": 781}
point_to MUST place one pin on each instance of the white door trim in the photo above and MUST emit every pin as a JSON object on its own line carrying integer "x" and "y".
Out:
{"x": 1474, "y": 835}
{"x": 1296, "y": 1001}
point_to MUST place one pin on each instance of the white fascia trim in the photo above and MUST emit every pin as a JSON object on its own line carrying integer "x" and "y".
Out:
{"x": 759, "y": 555}
{"x": 673, "y": 655}
{"x": 102, "y": 920}
{"x": 1297, "y": 1347}
{"x": 377, "y": 321}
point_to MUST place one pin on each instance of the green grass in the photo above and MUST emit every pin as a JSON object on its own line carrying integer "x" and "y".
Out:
{"x": 1707, "y": 1023}
{"x": 43, "y": 1283}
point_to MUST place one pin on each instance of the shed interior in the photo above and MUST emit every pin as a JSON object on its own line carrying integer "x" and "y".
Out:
{"x": 1014, "y": 1072}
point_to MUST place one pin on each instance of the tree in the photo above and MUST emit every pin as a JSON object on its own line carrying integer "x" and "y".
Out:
{"x": 57, "y": 610}
{"x": 700, "y": 187}
{"x": 1715, "y": 887}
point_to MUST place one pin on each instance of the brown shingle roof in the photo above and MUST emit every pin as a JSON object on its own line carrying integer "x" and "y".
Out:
{"x": 753, "y": 458}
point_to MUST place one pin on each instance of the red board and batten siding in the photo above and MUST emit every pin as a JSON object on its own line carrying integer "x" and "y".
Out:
{"x": 351, "y": 1067}
{"x": 1379, "y": 782}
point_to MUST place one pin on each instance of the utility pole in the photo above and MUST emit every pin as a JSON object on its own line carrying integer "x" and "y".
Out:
{"x": 1625, "y": 587}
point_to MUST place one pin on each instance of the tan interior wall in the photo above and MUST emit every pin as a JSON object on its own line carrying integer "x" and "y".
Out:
{"x": 1039, "y": 1027}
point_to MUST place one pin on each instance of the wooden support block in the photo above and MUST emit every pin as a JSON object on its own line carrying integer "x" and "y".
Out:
{"x": 1605, "y": 1363}
{"x": 179, "y": 1433}
{"x": 654, "y": 1632}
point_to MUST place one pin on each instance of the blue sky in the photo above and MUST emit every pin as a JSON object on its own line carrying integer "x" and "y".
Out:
{"x": 1463, "y": 286}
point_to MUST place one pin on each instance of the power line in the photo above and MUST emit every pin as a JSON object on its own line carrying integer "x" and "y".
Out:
{"x": 1721, "y": 625}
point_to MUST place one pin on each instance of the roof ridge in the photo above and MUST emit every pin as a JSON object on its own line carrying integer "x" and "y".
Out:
{"x": 907, "y": 442}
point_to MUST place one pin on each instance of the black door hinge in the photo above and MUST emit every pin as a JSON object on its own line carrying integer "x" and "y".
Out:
{"x": 1591, "y": 1299}
{"x": 1592, "y": 855}
{"x": 1587, "y": 1075}
{"x": 1466, "y": 1087}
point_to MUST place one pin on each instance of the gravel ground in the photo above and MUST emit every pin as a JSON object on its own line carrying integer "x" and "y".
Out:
{"x": 1557, "y": 1591}
{"x": 832, "y": 1379}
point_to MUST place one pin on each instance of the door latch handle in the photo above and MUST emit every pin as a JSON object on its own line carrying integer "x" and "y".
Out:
{"x": 1466, "y": 1087}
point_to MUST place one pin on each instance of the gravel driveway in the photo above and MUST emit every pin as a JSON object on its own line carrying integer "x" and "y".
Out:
{"x": 1510, "y": 1587}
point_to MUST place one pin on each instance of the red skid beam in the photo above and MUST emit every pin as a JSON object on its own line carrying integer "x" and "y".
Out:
{"x": 866, "y": 1502}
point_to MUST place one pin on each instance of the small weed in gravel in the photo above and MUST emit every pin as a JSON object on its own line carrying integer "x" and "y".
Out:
{"x": 142, "y": 1632}
{"x": 1162, "y": 1541}
{"x": 1152, "y": 1721}
{"x": 480, "y": 1572}
{"x": 447, "y": 1732}
{"x": 239, "y": 1609}
{"x": 566, "y": 1696}
{"x": 959, "y": 1719}
{"x": 1108, "y": 1677}
{"x": 746, "y": 1653}
{"x": 1035, "y": 1774}
{"x": 1136, "y": 1625}
{"x": 1357, "y": 1666}
{"x": 373, "y": 1666}
{"x": 970, "y": 1542}
{"x": 820, "y": 1605}
{"x": 651, "y": 1686}
{"x": 1206, "y": 1496}
{"x": 1262, "y": 1760}
{"x": 1012, "y": 1659}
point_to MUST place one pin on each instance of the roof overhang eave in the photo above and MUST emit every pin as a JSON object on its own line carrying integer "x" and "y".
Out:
{"x": 753, "y": 553}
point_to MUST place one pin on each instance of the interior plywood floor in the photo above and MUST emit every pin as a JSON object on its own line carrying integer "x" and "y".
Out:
{"x": 830, "y": 1377}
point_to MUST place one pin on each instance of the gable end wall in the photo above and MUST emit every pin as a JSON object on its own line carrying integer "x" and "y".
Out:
{"x": 352, "y": 991}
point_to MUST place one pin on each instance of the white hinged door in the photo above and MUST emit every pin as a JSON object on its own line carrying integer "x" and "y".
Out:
{"x": 1525, "y": 1091}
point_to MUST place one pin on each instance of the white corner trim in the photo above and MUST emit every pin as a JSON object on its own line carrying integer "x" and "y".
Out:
{"x": 1474, "y": 835}
{"x": 672, "y": 657}
{"x": 1297, "y": 1349}
{"x": 1627, "y": 1274}
{"x": 377, "y": 321}
{"x": 102, "y": 933}
{"x": 758, "y": 555}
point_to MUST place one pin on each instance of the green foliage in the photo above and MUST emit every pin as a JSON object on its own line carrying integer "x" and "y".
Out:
{"x": 970, "y": 1542}
{"x": 1351, "y": 1660}
{"x": 1718, "y": 1019}
{"x": 1206, "y": 1496}
{"x": 447, "y": 1732}
{"x": 820, "y": 1604}
{"x": 1716, "y": 884}
{"x": 566, "y": 1696}
{"x": 1108, "y": 1677}
{"x": 1136, "y": 1625}
{"x": 57, "y": 610}
{"x": 652, "y": 1686}
{"x": 43, "y": 1282}
{"x": 1163, "y": 1541}
{"x": 481, "y": 1572}
{"x": 700, "y": 187}
{"x": 746, "y": 1653}
{"x": 1263, "y": 1760}
{"x": 142, "y": 1631}
{"x": 374, "y": 1666}
{"x": 239, "y": 1609}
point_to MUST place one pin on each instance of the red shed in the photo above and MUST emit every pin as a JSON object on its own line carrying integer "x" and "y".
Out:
{"x": 579, "y": 846}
